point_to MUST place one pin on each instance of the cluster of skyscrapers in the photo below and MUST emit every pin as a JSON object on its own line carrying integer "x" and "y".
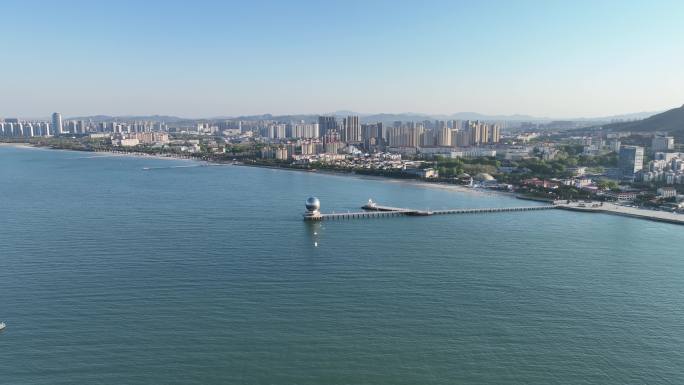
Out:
{"x": 667, "y": 166}
{"x": 443, "y": 134}
{"x": 13, "y": 127}
{"x": 350, "y": 130}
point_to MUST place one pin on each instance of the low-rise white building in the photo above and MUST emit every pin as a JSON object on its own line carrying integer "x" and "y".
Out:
{"x": 129, "y": 142}
{"x": 666, "y": 192}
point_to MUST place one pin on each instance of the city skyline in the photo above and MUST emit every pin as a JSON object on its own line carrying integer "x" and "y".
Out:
{"x": 404, "y": 116}
{"x": 558, "y": 60}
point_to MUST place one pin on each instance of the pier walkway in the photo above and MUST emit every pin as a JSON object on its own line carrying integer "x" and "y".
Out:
{"x": 373, "y": 210}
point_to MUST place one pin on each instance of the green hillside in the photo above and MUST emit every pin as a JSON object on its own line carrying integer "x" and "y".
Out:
{"x": 671, "y": 121}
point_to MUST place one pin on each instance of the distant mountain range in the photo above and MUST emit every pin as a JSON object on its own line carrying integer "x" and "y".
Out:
{"x": 108, "y": 118}
{"x": 381, "y": 117}
{"x": 456, "y": 116}
{"x": 671, "y": 121}
{"x": 415, "y": 116}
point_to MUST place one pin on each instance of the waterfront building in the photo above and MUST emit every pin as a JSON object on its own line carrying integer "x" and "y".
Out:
{"x": 313, "y": 209}
{"x": 310, "y": 147}
{"x": 57, "y": 124}
{"x": 281, "y": 153}
{"x": 630, "y": 160}
{"x": 129, "y": 142}
{"x": 42, "y": 129}
{"x": 425, "y": 173}
{"x": 625, "y": 196}
{"x": 149, "y": 137}
{"x": 666, "y": 192}
{"x": 267, "y": 153}
{"x": 28, "y": 130}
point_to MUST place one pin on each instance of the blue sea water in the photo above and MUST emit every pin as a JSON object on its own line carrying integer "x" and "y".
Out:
{"x": 124, "y": 270}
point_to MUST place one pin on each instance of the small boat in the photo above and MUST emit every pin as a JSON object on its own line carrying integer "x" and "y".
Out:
{"x": 2, "y": 326}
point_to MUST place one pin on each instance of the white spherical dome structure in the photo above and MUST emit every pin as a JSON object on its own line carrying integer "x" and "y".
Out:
{"x": 313, "y": 204}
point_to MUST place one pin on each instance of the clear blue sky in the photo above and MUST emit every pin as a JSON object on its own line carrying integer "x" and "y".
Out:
{"x": 203, "y": 58}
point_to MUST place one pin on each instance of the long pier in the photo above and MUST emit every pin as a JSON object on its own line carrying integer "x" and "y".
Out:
{"x": 373, "y": 210}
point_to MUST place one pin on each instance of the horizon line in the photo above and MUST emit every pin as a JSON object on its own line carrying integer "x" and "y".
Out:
{"x": 523, "y": 116}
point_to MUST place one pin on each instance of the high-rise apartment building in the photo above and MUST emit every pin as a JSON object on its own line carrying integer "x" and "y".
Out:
{"x": 303, "y": 130}
{"x": 662, "y": 143}
{"x": 443, "y": 135}
{"x": 352, "y": 129}
{"x": 427, "y": 138}
{"x": 630, "y": 160}
{"x": 494, "y": 133}
{"x": 405, "y": 136}
{"x": 475, "y": 132}
{"x": 57, "y": 124}
{"x": 369, "y": 131}
{"x": 325, "y": 124}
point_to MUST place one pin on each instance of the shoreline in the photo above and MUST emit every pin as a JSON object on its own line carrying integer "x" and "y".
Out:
{"x": 18, "y": 145}
{"x": 108, "y": 152}
{"x": 341, "y": 173}
{"x": 607, "y": 208}
{"x": 626, "y": 211}
{"x": 410, "y": 181}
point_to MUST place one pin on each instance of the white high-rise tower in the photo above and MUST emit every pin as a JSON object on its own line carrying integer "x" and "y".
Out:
{"x": 56, "y": 124}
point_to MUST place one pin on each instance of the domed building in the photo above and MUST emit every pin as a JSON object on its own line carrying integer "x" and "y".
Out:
{"x": 313, "y": 204}
{"x": 313, "y": 207}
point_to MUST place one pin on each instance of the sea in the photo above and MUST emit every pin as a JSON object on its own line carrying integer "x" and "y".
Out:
{"x": 133, "y": 270}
